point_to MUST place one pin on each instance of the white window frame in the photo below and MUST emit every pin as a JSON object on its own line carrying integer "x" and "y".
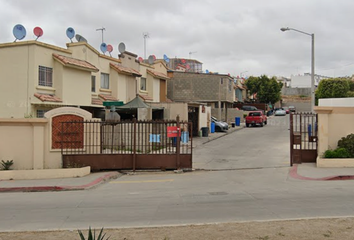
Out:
{"x": 45, "y": 76}
{"x": 143, "y": 84}
{"x": 104, "y": 81}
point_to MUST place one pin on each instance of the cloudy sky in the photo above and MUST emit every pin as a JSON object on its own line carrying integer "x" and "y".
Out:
{"x": 227, "y": 36}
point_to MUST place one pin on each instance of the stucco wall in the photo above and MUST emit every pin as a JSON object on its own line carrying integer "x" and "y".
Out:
{"x": 296, "y": 91}
{"x": 333, "y": 124}
{"x": 174, "y": 109}
{"x": 22, "y": 140}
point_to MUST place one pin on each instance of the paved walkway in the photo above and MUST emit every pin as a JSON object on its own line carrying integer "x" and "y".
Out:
{"x": 302, "y": 172}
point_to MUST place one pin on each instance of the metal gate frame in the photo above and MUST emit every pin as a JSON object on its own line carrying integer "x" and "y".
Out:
{"x": 303, "y": 137}
{"x": 129, "y": 145}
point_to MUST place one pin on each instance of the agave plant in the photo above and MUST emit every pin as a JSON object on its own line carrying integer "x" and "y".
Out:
{"x": 91, "y": 236}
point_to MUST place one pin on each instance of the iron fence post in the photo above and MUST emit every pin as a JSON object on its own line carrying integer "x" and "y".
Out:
{"x": 178, "y": 143}
{"x": 134, "y": 145}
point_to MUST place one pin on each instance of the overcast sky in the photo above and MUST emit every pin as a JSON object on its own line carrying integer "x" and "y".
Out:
{"x": 227, "y": 36}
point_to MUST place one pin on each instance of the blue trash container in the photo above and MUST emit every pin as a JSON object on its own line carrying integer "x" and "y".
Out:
{"x": 212, "y": 127}
{"x": 237, "y": 121}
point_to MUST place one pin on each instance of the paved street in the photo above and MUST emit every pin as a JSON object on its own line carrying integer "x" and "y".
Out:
{"x": 258, "y": 189}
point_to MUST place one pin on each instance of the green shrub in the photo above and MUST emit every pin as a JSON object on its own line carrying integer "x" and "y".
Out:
{"x": 351, "y": 94}
{"x": 337, "y": 153}
{"x": 347, "y": 143}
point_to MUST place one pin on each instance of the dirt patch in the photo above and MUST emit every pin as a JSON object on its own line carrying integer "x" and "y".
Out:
{"x": 311, "y": 229}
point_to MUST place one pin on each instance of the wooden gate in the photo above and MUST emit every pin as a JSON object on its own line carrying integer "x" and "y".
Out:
{"x": 303, "y": 137}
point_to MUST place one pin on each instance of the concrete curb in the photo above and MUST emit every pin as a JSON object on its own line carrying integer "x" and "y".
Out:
{"x": 90, "y": 185}
{"x": 293, "y": 173}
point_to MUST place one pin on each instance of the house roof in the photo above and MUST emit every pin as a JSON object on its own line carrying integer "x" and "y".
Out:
{"x": 137, "y": 102}
{"x": 47, "y": 97}
{"x": 146, "y": 97}
{"x": 157, "y": 74}
{"x": 96, "y": 101}
{"x": 106, "y": 97}
{"x": 125, "y": 70}
{"x": 73, "y": 62}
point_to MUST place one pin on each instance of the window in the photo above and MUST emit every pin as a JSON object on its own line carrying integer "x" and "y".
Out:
{"x": 230, "y": 85}
{"x": 104, "y": 80}
{"x": 93, "y": 83}
{"x": 143, "y": 84}
{"x": 40, "y": 113}
{"x": 45, "y": 76}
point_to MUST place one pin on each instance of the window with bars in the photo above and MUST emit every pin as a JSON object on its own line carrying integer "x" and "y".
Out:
{"x": 104, "y": 81}
{"x": 45, "y": 76}
{"x": 93, "y": 83}
{"x": 40, "y": 113}
{"x": 143, "y": 84}
{"x": 230, "y": 85}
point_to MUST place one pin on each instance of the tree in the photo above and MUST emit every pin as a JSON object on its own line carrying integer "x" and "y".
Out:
{"x": 333, "y": 88}
{"x": 267, "y": 89}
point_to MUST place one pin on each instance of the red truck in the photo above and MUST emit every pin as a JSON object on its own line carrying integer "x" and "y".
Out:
{"x": 256, "y": 117}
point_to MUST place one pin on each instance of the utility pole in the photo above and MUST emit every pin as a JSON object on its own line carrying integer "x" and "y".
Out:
{"x": 101, "y": 29}
{"x": 190, "y": 54}
{"x": 145, "y": 36}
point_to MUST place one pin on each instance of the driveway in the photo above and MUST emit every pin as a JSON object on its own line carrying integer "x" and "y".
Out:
{"x": 254, "y": 147}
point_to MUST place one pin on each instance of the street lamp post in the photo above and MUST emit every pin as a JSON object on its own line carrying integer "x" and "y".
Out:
{"x": 312, "y": 63}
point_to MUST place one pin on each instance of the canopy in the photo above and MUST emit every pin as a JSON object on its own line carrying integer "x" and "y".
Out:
{"x": 137, "y": 102}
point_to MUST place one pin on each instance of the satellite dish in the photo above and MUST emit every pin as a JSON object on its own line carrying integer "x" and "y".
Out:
{"x": 80, "y": 38}
{"x": 70, "y": 33}
{"x": 167, "y": 60}
{"x": 151, "y": 59}
{"x": 140, "y": 59}
{"x": 154, "y": 57}
{"x": 121, "y": 47}
{"x": 38, "y": 32}
{"x": 206, "y": 71}
{"x": 110, "y": 49}
{"x": 19, "y": 32}
{"x": 103, "y": 47}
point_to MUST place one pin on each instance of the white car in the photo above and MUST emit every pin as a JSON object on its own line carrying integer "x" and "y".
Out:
{"x": 280, "y": 112}
{"x": 220, "y": 126}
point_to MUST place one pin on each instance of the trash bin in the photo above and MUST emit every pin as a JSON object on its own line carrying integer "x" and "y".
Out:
{"x": 212, "y": 129}
{"x": 233, "y": 125}
{"x": 237, "y": 121}
{"x": 205, "y": 131}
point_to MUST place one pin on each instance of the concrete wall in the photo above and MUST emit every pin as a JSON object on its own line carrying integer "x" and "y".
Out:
{"x": 336, "y": 102}
{"x": 300, "y": 106}
{"x": 333, "y": 124}
{"x": 200, "y": 87}
{"x": 22, "y": 140}
{"x": 233, "y": 113}
{"x": 173, "y": 109}
{"x": 296, "y": 91}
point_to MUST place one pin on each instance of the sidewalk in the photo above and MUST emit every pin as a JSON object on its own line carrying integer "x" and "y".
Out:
{"x": 58, "y": 184}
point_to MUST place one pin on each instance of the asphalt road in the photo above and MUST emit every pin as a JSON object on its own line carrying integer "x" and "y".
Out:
{"x": 260, "y": 190}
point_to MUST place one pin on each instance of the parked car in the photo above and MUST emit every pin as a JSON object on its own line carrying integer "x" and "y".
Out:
{"x": 286, "y": 109}
{"x": 256, "y": 118}
{"x": 220, "y": 126}
{"x": 292, "y": 108}
{"x": 280, "y": 112}
{"x": 249, "y": 108}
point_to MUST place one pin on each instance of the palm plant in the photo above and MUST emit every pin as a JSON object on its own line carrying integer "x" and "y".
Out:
{"x": 92, "y": 236}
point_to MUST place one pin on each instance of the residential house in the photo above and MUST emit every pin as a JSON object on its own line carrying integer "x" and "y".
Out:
{"x": 37, "y": 77}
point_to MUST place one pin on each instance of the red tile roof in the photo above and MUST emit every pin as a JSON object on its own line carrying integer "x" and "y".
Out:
{"x": 146, "y": 97}
{"x": 47, "y": 97}
{"x": 158, "y": 74}
{"x": 68, "y": 61}
{"x": 96, "y": 101}
{"x": 125, "y": 70}
{"x": 107, "y": 97}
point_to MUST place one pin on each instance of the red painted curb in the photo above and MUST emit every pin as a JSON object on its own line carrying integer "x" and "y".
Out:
{"x": 59, "y": 188}
{"x": 293, "y": 173}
